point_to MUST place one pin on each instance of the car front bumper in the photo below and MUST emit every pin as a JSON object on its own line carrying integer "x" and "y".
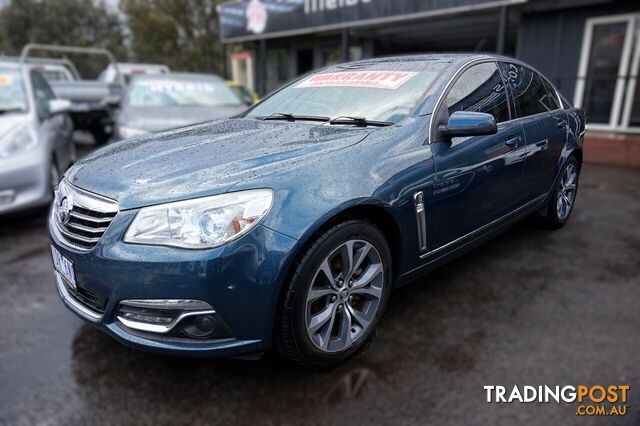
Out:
{"x": 24, "y": 181}
{"x": 240, "y": 281}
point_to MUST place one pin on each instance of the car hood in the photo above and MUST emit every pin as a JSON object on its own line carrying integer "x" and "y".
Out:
{"x": 205, "y": 159}
{"x": 11, "y": 121}
{"x": 165, "y": 118}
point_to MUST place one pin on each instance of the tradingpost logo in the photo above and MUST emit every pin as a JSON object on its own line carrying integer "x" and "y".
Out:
{"x": 592, "y": 400}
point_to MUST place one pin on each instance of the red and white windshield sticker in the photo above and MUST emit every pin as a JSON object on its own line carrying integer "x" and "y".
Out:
{"x": 389, "y": 80}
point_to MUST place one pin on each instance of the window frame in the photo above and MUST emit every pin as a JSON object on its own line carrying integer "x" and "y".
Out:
{"x": 441, "y": 101}
{"x": 457, "y": 78}
{"x": 555, "y": 93}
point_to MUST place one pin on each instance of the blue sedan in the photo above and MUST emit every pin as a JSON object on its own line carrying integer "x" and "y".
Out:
{"x": 288, "y": 226}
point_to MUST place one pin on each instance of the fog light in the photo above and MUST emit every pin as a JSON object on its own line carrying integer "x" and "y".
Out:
{"x": 199, "y": 326}
{"x": 176, "y": 318}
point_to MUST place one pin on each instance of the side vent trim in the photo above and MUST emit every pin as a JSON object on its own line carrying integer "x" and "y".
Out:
{"x": 421, "y": 219}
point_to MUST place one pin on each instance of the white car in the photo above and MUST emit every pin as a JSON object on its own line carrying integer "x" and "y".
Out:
{"x": 35, "y": 138}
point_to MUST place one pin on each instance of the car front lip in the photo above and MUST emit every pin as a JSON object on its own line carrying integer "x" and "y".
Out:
{"x": 241, "y": 281}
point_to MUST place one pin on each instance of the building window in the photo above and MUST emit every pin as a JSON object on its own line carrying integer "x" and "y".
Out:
{"x": 607, "y": 86}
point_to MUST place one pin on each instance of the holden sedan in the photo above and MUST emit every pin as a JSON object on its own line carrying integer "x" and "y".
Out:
{"x": 288, "y": 226}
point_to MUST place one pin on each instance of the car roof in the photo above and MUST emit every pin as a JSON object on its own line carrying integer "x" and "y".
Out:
{"x": 33, "y": 63}
{"x": 451, "y": 58}
{"x": 186, "y": 76}
{"x": 9, "y": 63}
{"x": 139, "y": 64}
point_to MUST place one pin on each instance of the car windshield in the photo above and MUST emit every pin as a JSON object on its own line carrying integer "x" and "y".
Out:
{"x": 12, "y": 94}
{"x": 168, "y": 92}
{"x": 385, "y": 92}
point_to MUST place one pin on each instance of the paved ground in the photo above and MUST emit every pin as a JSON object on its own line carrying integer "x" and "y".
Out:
{"x": 531, "y": 307}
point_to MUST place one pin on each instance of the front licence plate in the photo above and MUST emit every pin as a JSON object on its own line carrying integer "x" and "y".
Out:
{"x": 63, "y": 266}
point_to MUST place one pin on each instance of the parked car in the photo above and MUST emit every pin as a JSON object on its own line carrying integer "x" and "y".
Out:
{"x": 161, "y": 102}
{"x": 243, "y": 93}
{"x": 129, "y": 70}
{"x": 35, "y": 138}
{"x": 289, "y": 226}
{"x": 93, "y": 101}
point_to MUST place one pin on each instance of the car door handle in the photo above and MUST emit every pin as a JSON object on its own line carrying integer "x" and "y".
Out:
{"x": 513, "y": 141}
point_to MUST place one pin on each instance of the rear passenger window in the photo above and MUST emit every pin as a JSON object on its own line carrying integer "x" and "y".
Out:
{"x": 480, "y": 89}
{"x": 554, "y": 102}
{"x": 529, "y": 92}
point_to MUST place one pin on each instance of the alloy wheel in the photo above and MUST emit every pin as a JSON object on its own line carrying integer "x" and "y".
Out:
{"x": 567, "y": 192}
{"x": 345, "y": 295}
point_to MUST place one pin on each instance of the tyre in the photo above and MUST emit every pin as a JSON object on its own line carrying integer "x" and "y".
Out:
{"x": 336, "y": 296}
{"x": 557, "y": 212}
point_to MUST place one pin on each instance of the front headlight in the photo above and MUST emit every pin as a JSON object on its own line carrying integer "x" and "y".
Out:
{"x": 130, "y": 132}
{"x": 201, "y": 223}
{"x": 18, "y": 140}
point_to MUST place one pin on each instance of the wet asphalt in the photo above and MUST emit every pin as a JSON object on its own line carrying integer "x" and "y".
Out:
{"x": 531, "y": 307}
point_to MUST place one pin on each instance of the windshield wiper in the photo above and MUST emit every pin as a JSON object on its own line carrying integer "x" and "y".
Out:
{"x": 4, "y": 111}
{"x": 292, "y": 117}
{"x": 359, "y": 121}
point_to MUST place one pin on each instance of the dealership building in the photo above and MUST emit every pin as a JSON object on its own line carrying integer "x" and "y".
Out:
{"x": 589, "y": 48}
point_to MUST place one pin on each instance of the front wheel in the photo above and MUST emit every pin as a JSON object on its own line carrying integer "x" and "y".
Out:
{"x": 556, "y": 213}
{"x": 336, "y": 297}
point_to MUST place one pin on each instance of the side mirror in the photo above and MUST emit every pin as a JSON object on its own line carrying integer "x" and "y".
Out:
{"x": 112, "y": 101}
{"x": 59, "y": 106}
{"x": 466, "y": 123}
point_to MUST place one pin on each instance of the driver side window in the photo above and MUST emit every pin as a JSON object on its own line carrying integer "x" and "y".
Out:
{"x": 42, "y": 94}
{"x": 480, "y": 89}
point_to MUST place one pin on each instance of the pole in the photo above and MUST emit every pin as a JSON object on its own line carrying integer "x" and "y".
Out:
{"x": 225, "y": 61}
{"x": 345, "y": 45}
{"x": 262, "y": 78}
{"x": 502, "y": 30}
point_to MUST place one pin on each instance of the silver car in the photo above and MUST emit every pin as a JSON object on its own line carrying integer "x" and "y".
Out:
{"x": 35, "y": 138}
{"x": 165, "y": 101}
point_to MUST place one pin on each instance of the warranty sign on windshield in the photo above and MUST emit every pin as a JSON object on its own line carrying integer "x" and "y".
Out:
{"x": 389, "y": 80}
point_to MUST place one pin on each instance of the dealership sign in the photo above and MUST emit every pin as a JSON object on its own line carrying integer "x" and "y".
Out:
{"x": 254, "y": 19}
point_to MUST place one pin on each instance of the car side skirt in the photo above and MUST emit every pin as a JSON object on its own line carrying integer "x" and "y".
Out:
{"x": 462, "y": 245}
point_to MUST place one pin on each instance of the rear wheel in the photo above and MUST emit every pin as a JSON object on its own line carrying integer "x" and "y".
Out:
{"x": 557, "y": 212}
{"x": 336, "y": 297}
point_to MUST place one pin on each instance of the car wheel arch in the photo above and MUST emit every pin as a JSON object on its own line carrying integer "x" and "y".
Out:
{"x": 577, "y": 152}
{"x": 373, "y": 213}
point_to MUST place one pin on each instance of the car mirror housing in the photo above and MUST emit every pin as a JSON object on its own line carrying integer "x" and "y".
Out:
{"x": 59, "y": 106}
{"x": 466, "y": 123}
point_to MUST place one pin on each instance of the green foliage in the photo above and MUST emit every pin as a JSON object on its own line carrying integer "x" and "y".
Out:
{"x": 180, "y": 33}
{"x": 69, "y": 22}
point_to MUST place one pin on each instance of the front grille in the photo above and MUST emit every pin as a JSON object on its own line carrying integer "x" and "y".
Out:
{"x": 82, "y": 217}
{"x": 90, "y": 300}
